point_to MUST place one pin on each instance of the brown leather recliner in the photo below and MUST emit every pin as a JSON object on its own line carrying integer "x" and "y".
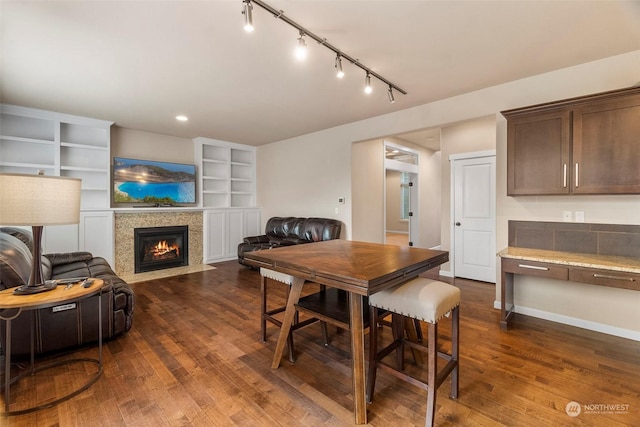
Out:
{"x": 285, "y": 231}
{"x": 62, "y": 329}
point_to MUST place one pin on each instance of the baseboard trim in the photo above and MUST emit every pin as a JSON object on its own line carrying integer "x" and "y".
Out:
{"x": 446, "y": 273}
{"x": 574, "y": 321}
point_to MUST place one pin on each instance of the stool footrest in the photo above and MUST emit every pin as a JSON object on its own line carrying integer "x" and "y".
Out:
{"x": 440, "y": 376}
{"x": 295, "y": 326}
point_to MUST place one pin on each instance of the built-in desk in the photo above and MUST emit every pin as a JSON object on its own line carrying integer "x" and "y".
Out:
{"x": 602, "y": 270}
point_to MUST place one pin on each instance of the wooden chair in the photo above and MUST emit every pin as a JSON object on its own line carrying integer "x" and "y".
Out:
{"x": 429, "y": 301}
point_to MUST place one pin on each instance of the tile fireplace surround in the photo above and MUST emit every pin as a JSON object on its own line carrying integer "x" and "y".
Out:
{"x": 126, "y": 222}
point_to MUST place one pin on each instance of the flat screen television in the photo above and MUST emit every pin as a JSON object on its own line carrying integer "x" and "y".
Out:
{"x": 153, "y": 182}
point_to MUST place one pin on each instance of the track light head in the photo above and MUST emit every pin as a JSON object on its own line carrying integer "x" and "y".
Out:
{"x": 367, "y": 84}
{"x": 247, "y": 11}
{"x": 301, "y": 49}
{"x": 392, "y": 98}
{"x": 339, "y": 72}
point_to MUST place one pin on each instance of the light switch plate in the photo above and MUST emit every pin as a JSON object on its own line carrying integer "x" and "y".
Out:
{"x": 579, "y": 216}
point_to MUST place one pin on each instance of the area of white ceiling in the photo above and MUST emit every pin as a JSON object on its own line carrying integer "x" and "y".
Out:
{"x": 141, "y": 63}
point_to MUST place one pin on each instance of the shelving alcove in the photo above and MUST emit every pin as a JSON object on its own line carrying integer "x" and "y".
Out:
{"x": 57, "y": 144}
{"x": 227, "y": 180}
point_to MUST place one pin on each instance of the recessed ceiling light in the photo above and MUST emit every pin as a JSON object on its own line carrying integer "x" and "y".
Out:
{"x": 182, "y": 118}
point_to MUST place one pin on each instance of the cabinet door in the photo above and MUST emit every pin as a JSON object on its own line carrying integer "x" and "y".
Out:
{"x": 58, "y": 239}
{"x": 96, "y": 234}
{"x": 215, "y": 227}
{"x": 235, "y": 231}
{"x": 538, "y": 159}
{"x": 251, "y": 222}
{"x": 606, "y": 147}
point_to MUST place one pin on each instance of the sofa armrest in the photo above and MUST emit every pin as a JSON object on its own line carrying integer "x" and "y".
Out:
{"x": 254, "y": 240}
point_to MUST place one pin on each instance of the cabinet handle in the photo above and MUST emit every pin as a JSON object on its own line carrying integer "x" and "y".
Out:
{"x": 533, "y": 267}
{"x": 564, "y": 175}
{"x": 577, "y": 178}
{"x": 606, "y": 276}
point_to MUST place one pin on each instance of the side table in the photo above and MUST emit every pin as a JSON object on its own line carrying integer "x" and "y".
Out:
{"x": 11, "y": 306}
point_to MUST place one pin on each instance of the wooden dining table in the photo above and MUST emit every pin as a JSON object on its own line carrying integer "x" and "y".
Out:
{"x": 361, "y": 269}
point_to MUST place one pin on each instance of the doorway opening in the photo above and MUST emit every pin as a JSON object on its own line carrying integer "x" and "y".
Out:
{"x": 401, "y": 195}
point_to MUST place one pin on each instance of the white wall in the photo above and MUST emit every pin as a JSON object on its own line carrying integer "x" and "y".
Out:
{"x": 137, "y": 144}
{"x": 306, "y": 179}
{"x": 367, "y": 190}
{"x": 305, "y": 175}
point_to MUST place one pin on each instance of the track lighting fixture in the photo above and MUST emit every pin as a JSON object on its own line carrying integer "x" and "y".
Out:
{"x": 301, "y": 47}
{"x": 339, "y": 72}
{"x": 247, "y": 10}
{"x": 367, "y": 83}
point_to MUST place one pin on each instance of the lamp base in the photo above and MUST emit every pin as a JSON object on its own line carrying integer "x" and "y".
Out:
{"x": 35, "y": 289}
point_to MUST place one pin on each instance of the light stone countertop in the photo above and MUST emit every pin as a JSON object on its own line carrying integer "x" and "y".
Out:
{"x": 605, "y": 262}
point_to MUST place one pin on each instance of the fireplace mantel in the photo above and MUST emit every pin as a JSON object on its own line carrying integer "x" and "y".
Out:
{"x": 158, "y": 209}
{"x": 126, "y": 220}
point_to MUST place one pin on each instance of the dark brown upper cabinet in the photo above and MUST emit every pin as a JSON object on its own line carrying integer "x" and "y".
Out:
{"x": 586, "y": 145}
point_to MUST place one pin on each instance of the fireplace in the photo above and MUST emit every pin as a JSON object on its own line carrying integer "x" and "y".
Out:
{"x": 156, "y": 248}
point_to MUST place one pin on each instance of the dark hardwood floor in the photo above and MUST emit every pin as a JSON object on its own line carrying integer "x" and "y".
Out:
{"x": 193, "y": 357}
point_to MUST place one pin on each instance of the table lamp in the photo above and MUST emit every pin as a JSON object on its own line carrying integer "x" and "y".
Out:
{"x": 38, "y": 200}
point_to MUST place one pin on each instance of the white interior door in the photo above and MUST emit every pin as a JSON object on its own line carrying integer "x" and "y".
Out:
{"x": 474, "y": 221}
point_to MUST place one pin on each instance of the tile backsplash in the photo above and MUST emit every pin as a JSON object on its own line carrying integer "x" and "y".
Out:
{"x": 597, "y": 239}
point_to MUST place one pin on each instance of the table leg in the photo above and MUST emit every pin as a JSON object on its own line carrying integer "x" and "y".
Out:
{"x": 506, "y": 299}
{"x": 357, "y": 358}
{"x": 7, "y": 367}
{"x": 100, "y": 329}
{"x": 289, "y": 314}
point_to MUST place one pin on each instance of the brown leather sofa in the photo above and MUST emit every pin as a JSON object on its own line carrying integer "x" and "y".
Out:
{"x": 286, "y": 231}
{"x": 62, "y": 329}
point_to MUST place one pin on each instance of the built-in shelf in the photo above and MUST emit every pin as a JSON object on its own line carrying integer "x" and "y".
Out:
{"x": 60, "y": 145}
{"x": 227, "y": 173}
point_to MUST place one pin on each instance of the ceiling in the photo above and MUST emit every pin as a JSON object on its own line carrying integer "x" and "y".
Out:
{"x": 141, "y": 63}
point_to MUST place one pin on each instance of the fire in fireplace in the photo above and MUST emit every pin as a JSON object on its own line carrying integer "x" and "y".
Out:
{"x": 160, "y": 247}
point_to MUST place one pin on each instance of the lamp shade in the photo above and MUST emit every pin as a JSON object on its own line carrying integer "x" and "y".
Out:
{"x": 39, "y": 200}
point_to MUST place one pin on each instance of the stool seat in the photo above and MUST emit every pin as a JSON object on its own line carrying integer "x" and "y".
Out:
{"x": 268, "y": 315}
{"x": 277, "y": 276}
{"x": 421, "y": 298}
{"x": 427, "y": 300}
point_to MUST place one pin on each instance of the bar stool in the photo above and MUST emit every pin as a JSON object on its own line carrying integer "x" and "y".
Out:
{"x": 269, "y": 315}
{"x": 427, "y": 300}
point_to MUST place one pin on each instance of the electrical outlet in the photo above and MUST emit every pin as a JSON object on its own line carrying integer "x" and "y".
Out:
{"x": 341, "y": 200}
{"x": 566, "y": 216}
{"x": 579, "y": 216}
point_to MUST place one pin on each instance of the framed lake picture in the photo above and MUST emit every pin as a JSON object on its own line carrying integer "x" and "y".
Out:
{"x": 153, "y": 182}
